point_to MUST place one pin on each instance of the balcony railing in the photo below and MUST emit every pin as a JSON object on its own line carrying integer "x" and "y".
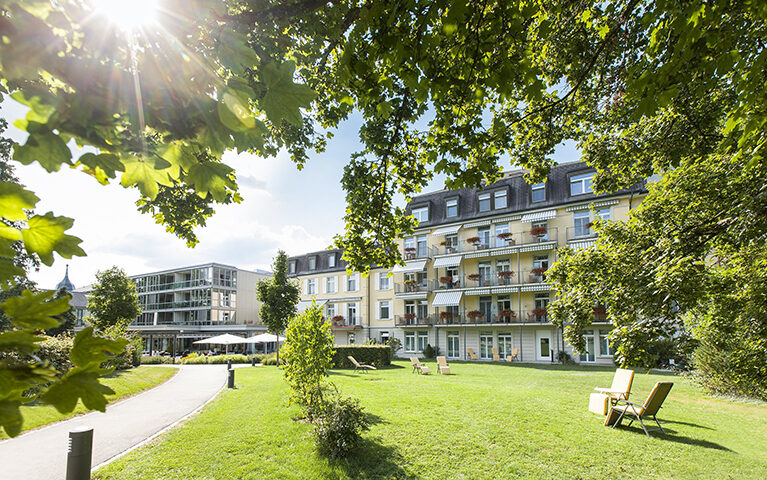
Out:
{"x": 493, "y": 317}
{"x": 173, "y": 286}
{"x": 414, "y": 320}
{"x": 412, "y": 287}
{"x": 415, "y": 253}
{"x": 172, "y": 305}
{"x": 580, "y": 233}
{"x": 345, "y": 322}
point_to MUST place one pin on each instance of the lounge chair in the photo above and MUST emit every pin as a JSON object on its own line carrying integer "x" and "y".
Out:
{"x": 496, "y": 357}
{"x": 418, "y": 367}
{"x": 621, "y": 387}
{"x": 637, "y": 412}
{"x": 442, "y": 366}
{"x": 471, "y": 353}
{"x": 360, "y": 366}
{"x": 514, "y": 355}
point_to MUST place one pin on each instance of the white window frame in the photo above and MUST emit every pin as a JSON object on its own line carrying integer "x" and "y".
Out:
{"x": 603, "y": 335}
{"x": 484, "y": 197}
{"x": 292, "y": 267}
{"x": 384, "y": 307}
{"x": 384, "y": 282}
{"x": 581, "y": 184}
{"x": 453, "y": 344}
{"x": 422, "y": 340}
{"x": 331, "y": 285}
{"x": 311, "y": 286}
{"x": 421, "y": 214}
{"x": 313, "y": 262}
{"x": 410, "y": 342}
{"x": 451, "y": 203}
{"x": 500, "y": 194}
{"x": 332, "y": 261}
{"x": 537, "y": 188}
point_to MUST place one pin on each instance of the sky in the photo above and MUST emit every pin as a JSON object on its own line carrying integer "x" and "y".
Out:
{"x": 283, "y": 208}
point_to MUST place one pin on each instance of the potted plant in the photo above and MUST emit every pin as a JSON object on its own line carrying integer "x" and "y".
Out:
{"x": 589, "y": 224}
{"x": 538, "y": 232}
{"x": 474, "y": 315}
{"x": 410, "y": 252}
{"x": 599, "y": 312}
{"x": 448, "y": 280}
{"x": 539, "y": 313}
{"x": 506, "y": 315}
{"x": 445, "y": 317}
{"x": 409, "y": 317}
{"x": 410, "y": 284}
{"x": 505, "y": 275}
{"x": 507, "y": 237}
{"x": 338, "y": 320}
{"x": 473, "y": 240}
{"x": 474, "y": 276}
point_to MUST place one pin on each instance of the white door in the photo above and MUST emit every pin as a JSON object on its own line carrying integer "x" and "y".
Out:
{"x": 543, "y": 345}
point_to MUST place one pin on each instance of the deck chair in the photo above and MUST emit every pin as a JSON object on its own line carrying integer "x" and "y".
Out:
{"x": 621, "y": 387}
{"x": 496, "y": 357}
{"x": 514, "y": 355}
{"x": 442, "y": 366}
{"x": 471, "y": 353}
{"x": 360, "y": 366}
{"x": 418, "y": 367}
{"x": 638, "y": 412}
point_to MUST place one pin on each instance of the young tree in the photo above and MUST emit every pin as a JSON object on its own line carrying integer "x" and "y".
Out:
{"x": 279, "y": 297}
{"x": 308, "y": 356}
{"x": 113, "y": 301}
{"x": 66, "y": 319}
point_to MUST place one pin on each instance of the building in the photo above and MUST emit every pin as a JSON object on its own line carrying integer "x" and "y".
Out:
{"x": 475, "y": 273}
{"x": 79, "y": 300}
{"x": 182, "y": 305}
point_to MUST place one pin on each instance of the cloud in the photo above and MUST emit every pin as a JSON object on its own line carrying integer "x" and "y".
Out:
{"x": 250, "y": 182}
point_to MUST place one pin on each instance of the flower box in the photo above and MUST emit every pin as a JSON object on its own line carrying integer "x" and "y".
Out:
{"x": 538, "y": 231}
{"x": 338, "y": 320}
{"x": 474, "y": 276}
{"x": 473, "y": 240}
{"x": 474, "y": 315}
{"x": 445, "y": 315}
{"x": 539, "y": 312}
{"x": 445, "y": 279}
{"x": 409, "y": 316}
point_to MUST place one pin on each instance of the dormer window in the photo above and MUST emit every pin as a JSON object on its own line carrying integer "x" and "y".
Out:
{"x": 292, "y": 267}
{"x": 421, "y": 214}
{"x": 501, "y": 200}
{"x": 539, "y": 192}
{"x": 451, "y": 208}
{"x": 312, "y": 263}
{"x": 332, "y": 260}
{"x": 484, "y": 202}
{"x": 581, "y": 184}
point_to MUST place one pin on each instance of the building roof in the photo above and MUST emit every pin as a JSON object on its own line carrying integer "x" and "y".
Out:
{"x": 519, "y": 196}
{"x": 65, "y": 283}
{"x": 79, "y": 300}
{"x": 203, "y": 265}
{"x": 302, "y": 262}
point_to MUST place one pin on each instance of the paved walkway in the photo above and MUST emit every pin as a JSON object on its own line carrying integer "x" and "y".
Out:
{"x": 42, "y": 454}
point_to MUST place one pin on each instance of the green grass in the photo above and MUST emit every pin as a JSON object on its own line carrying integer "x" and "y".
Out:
{"x": 123, "y": 382}
{"x": 486, "y": 421}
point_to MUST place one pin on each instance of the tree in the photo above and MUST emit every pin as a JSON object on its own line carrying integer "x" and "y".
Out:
{"x": 308, "y": 356}
{"x": 279, "y": 296}
{"x": 66, "y": 319}
{"x": 113, "y": 301}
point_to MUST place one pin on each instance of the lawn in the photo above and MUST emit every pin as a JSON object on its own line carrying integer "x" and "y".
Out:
{"x": 485, "y": 421}
{"x": 123, "y": 382}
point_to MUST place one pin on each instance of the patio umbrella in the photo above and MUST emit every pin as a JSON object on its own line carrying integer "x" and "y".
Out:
{"x": 263, "y": 338}
{"x": 225, "y": 339}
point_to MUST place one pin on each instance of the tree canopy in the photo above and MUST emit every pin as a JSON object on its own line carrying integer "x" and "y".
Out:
{"x": 112, "y": 301}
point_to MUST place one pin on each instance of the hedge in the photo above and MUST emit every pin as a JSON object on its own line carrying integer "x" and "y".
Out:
{"x": 376, "y": 355}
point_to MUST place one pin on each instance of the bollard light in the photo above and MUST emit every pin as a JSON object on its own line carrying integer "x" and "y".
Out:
{"x": 80, "y": 454}
{"x": 231, "y": 379}
{"x": 229, "y": 364}
{"x": 253, "y": 362}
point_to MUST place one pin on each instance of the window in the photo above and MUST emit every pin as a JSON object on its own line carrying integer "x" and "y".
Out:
{"x": 384, "y": 337}
{"x": 409, "y": 248}
{"x": 330, "y": 284}
{"x": 451, "y": 207}
{"x": 504, "y": 303}
{"x": 504, "y": 344}
{"x": 332, "y": 261}
{"x": 484, "y": 237}
{"x": 383, "y": 281}
{"x": 351, "y": 283}
{"x": 604, "y": 214}
{"x": 312, "y": 263}
{"x": 501, "y": 228}
{"x": 581, "y": 224}
{"x": 292, "y": 267}
{"x": 351, "y": 314}
{"x": 580, "y": 184}
{"x": 423, "y": 309}
{"x": 484, "y": 273}
{"x": 410, "y": 341}
{"x": 604, "y": 343}
{"x": 330, "y": 311}
{"x": 451, "y": 243}
{"x": 423, "y": 340}
{"x": 588, "y": 355}
{"x": 311, "y": 286}
{"x": 539, "y": 192}
{"x": 410, "y": 314}
{"x": 486, "y": 345}
{"x": 541, "y": 307}
{"x": 484, "y": 202}
{"x": 421, "y": 214}
{"x": 453, "y": 345}
{"x": 543, "y": 227}
{"x": 351, "y": 339}
{"x": 421, "y": 246}
{"x": 501, "y": 200}
{"x": 383, "y": 310}
{"x": 486, "y": 307}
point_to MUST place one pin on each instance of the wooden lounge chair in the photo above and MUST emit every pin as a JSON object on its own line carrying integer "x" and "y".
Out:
{"x": 360, "y": 366}
{"x": 496, "y": 357}
{"x": 471, "y": 353}
{"x": 442, "y": 366}
{"x": 638, "y": 412}
{"x": 514, "y": 355}
{"x": 418, "y": 367}
{"x": 621, "y": 387}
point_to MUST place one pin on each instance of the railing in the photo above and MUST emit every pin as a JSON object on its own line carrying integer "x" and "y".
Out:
{"x": 345, "y": 322}
{"x": 578, "y": 233}
{"x": 449, "y": 283}
{"x": 172, "y": 305}
{"x": 173, "y": 286}
{"x": 144, "y": 323}
{"x": 422, "y": 286}
{"x": 412, "y": 253}
{"x": 414, "y": 320}
{"x": 494, "y": 317}
{"x": 532, "y": 275}
{"x": 486, "y": 243}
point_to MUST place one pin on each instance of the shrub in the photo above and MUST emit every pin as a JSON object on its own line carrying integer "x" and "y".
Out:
{"x": 235, "y": 358}
{"x": 338, "y": 427}
{"x": 428, "y": 352}
{"x": 565, "y": 358}
{"x": 55, "y": 350}
{"x": 195, "y": 360}
{"x": 376, "y": 355}
{"x": 156, "y": 360}
{"x": 395, "y": 345}
{"x": 270, "y": 359}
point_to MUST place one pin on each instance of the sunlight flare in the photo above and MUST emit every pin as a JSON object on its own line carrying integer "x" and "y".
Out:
{"x": 128, "y": 14}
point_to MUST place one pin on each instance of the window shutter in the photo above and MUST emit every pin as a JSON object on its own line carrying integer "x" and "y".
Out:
{"x": 378, "y": 281}
{"x": 378, "y": 310}
{"x": 346, "y": 285}
{"x": 306, "y": 287}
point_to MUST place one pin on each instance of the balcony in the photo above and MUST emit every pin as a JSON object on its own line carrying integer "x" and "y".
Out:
{"x": 176, "y": 305}
{"x": 415, "y": 253}
{"x": 412, "y": 288}
{"x": 505, "y": 317}
{"x": 581, "y": 233}
{"x": 341, "y": 322}
{"x": 174, "y": 286}
{"x": 483, "y": 243}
